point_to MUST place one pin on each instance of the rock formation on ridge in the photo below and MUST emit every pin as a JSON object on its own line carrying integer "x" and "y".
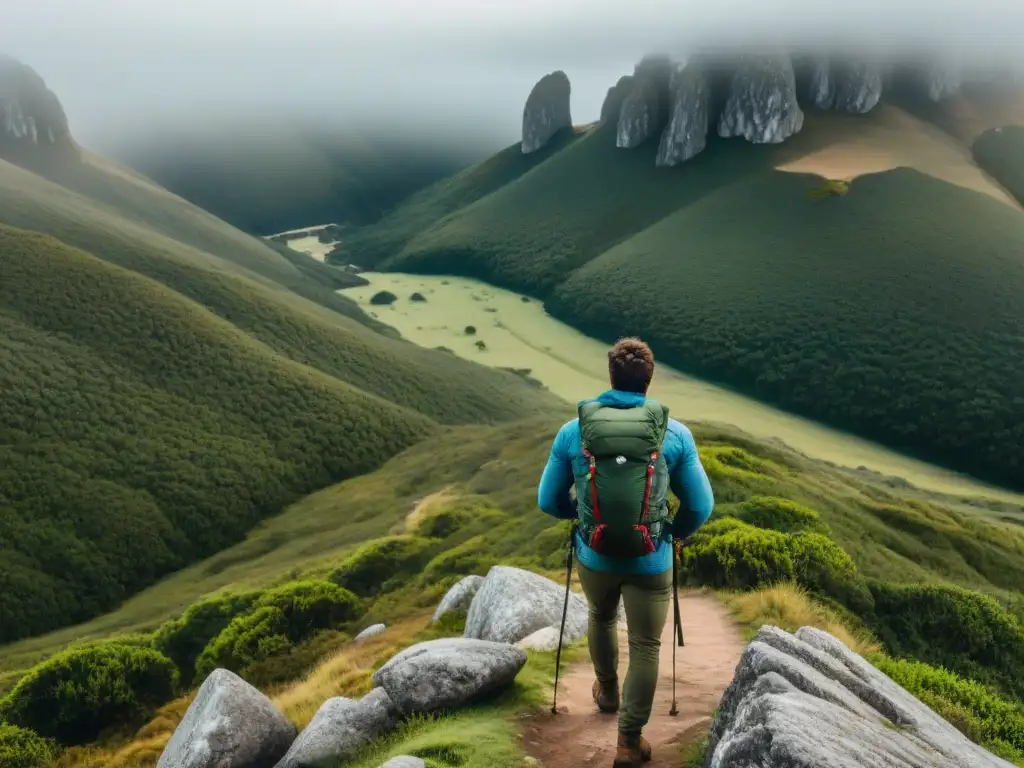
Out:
{"x": 30, "y": 113}
{"x": 546, "y": 111}
{"x": 689, "y": 117}
{"x": 762, "y": 103}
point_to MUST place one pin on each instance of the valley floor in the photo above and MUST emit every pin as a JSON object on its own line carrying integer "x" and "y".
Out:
{"x": 519, "y": 334}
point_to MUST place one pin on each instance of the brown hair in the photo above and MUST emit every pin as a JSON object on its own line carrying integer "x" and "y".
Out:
{"x": 631, "y": 365}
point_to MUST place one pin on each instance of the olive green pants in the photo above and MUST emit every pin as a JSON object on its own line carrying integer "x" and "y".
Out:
{"x": 646, "y": 599}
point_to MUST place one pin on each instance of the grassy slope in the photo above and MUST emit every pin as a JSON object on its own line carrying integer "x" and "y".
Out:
{"x": 1001, "y": 153}
{"x": 63, "y": 325}
{"x": 926, "y": 271}
{"x": 493, "y": 472}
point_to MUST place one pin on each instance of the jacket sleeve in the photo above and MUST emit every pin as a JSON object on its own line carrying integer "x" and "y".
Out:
{"x": 553, "y": 495}
{"x": 690, "y": 483}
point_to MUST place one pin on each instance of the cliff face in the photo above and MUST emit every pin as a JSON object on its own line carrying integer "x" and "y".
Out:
{"x": 30, "y": 113}
{"x": 761, "y": 98}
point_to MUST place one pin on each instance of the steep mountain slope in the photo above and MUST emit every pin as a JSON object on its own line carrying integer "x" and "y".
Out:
{"x": 288, "y": 173}
{"x": 1001, "y": 152}
{"x": 887, "y": 308}
{"x": 170, "y": 381}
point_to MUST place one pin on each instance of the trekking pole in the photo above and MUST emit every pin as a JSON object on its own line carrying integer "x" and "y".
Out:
{"x": 678, "y": 625}
{"x": 565, "y": 611}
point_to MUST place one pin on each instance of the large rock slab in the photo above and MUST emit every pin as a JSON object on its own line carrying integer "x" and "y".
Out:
{"x": 30, "y": 113}
{"x": 686, "y": 134}
{"x": 513, "y": 604}
{"x": 546, "y": 111}
{"x": 459, "y": 596}
{"x": 339, "y": 729}
{"x": 228, "y": 725}
{"x": 858, "y": 86}
{"x": 448, "y": 673}
{"x": 807, "y": 701}
{"x": 762, "y": 103}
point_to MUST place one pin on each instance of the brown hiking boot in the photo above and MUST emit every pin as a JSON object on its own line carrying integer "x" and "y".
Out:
{"x": 606, "y": 697}
{"x": 631, "y": 752}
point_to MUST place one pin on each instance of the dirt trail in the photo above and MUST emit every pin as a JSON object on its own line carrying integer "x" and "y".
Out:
{"x": 581, "y": 737}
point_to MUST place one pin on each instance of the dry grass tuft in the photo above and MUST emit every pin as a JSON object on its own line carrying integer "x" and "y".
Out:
{"x": 789, "y": 607}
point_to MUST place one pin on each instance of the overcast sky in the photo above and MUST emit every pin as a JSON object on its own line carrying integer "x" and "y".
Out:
{"x": 465, "y": 66}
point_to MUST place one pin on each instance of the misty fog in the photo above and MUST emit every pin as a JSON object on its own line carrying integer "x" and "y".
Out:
{"x": 454, "y": 70}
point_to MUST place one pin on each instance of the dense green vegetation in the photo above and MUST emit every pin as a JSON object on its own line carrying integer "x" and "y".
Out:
{"x": 163, "y": 399}
{"x": 22, "y": 748}
{"x": 75, "y": 695}
{"x": 287, "y": 174}
{"x": 1001, "y": 153}
{"x": 888, "y": 311}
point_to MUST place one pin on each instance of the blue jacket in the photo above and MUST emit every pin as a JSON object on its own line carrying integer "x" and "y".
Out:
{"x": 687, "y": 480}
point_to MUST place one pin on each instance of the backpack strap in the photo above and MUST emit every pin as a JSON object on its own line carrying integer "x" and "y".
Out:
{"x": 585, "y": 410}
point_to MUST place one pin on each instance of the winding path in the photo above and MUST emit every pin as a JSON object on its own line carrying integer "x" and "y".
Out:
{"x": 581, "y": 737}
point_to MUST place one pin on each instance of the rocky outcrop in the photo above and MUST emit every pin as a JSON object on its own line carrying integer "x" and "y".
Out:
{"x": 689, "y": 116}
{"x": 640, "y": 115}
{"x": 858, "y": 87}
{"x": 228, "y": 725}
{"x": 546, "y": 112}
{"x": 371, "y": 631}
{"x": 762, "y": 103}
{"x": 30, "y": 113}
{"x": 513, "y": 604}
{"x": 821, "y": 89}
{"x": 941, "y": 80}
{"x": 806, "y": 701}
{"x": 612, "y": 103}
{"x": 339, "y": 729}
{"x": 460, "y": 596}
{"x": 448, "y": 673}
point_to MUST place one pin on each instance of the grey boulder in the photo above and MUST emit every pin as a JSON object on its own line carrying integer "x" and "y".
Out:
{"x": 858, "y": 87}
{"x": 371, "y": 631}
{"x": 228, "y": 725}
{"x": 339, "y": 729}
{"x": 762, "y": 103}
{"x": 546, "y": 111}
{"x": 447, "y": 673}
{"x": 806, "y": 701}
{"x": 459, "y": 596}
{"x": 542, "y": 640}
{"x": 513, "y": 604}
{"x": 404, "y": 761}
{"x": 686, "y": 134}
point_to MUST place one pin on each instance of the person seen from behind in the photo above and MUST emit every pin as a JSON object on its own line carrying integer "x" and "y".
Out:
{"x": 621, "y": 455}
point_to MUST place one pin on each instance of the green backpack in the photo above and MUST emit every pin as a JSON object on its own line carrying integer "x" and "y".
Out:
{"x": 623, "y": 496}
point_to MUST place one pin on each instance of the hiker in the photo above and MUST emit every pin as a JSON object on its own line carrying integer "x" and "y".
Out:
{"x": 621, "y": 455}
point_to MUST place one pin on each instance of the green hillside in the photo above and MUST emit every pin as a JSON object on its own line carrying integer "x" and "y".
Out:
{"x": 176, "y": 381}
{"x": 901, "y": 568}
{"x": 288, "y": 174}
{"x": 1001, "y": 153}
{"x": 890, "y": 311}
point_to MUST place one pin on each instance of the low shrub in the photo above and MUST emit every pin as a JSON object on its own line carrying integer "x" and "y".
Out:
{"x": 184, "y": 638}
{"x": 280, "y": 619}
{"x": 985, "y": 718}
{"x": 368, "y": 569}
{"x": 22, "y": 748}
{"x": 249, "y": 638}
{"x": 465, "y": 559}
{"x": 960, "y": 630}
{"x": 75, "y": 695}
{"x": 311, "y": 605}
{"x": 780, "y": 515}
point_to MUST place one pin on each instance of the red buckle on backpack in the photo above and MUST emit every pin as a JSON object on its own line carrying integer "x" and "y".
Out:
{"x": 648, "y": 541}
{"x": 596, "y": 537}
